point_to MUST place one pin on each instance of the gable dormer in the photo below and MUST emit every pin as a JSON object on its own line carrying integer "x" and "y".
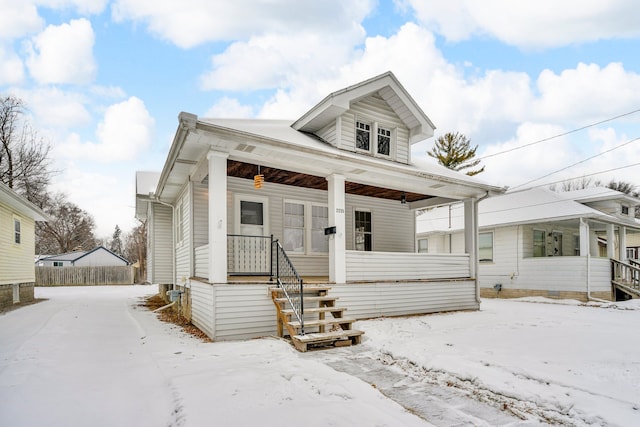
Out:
{"x": 374, "y": 118}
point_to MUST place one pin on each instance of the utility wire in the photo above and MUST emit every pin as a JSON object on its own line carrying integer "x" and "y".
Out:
{"x": 559, "y": 135}
{"x": 577, "y": 163}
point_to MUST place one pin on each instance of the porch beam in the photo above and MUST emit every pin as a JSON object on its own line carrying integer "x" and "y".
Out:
{"x": 471, "y": 233}
{"x": 217, "y": 216}
{"x": 337, "y": 241}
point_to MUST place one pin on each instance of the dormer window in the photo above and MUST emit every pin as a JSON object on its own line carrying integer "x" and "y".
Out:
{"x": 381, "y": 145}
{"x": 363, "y": 136}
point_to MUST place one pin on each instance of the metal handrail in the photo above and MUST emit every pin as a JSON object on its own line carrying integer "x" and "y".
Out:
{"x": 288, "y": 279}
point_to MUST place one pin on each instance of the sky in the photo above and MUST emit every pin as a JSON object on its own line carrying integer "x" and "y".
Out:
{"x": 547, "y": 90}
{"x": 96, "y": 357}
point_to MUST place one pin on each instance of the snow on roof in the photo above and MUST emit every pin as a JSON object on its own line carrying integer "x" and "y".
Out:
{"x": 69, "y": 256}
{"x": 10, "y": 198}
{"x": 146, "y": 182}
{"x": 593, "y": 194}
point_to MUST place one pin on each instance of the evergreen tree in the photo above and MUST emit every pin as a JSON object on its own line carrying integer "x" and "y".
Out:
{"x": 453, "y": 151}
{"x": 116, "y": 242}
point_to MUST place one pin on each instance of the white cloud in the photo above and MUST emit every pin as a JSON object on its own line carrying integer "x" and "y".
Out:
{"x": 192, "y": 22}
{"x": 124, "y": 133}
{"x": 539, "y": 24}
{"x": 63, "y": 54}
{"x": 53, "y": 107}
{"x": 18, "y": 18}
{"x": 229, "y": 108}
{"x": 11, "y": 67}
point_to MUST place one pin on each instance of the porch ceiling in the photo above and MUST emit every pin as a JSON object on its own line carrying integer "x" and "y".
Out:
{"x": 279, "y": 176}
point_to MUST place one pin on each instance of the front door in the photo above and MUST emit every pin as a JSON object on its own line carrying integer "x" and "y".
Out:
{"x": 251, "y": 246}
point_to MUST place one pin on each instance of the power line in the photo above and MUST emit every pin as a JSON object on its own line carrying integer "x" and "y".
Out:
{"x": 577, "y": 163}
{"x": 559, "y": 135}
{"x": 587, "y": 175}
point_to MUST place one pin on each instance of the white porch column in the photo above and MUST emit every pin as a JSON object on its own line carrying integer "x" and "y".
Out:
{"x": 217, "y": 216}
{"x": 471, "y": 234}
{"x": 337, "y": 242}
{"x": 584, "y": 237}
{"x": 622, "y": 233}
{"x": 611, "y": 241}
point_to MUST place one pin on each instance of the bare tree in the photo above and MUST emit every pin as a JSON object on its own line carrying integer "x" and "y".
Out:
{"x": 576, "y": 184}
{"x": 136, "y": 248}
{"x": 24, "y": 156}
{"x": 69, "y": 228}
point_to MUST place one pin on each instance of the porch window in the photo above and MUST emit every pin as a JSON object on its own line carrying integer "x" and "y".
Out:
{"x": 294, "y": 227}
{"x": 485, "y": 247}
{"x": 301, "y": 228}
{"x": 363, "y": 136}
{"x": 363, "y": 233}
{"x": 539, "y": 243}
{"x": 556, "y": 239}
{"x": 576, "y": 244}
{"x": 17, "y": 233}
{"x": 423, "y": 246}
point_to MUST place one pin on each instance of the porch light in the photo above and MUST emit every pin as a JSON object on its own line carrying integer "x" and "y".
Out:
{"x": 258, "y": 180}
{"x": 403, "y": 198}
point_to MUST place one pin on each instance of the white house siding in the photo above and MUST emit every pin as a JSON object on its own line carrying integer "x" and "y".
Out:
{"x": 328, "y": 133}
{"x": 405, "y": 298}
{"x": 16, "y": 260}
{"x": 231, "y": 312}
{"x": 159, "y": 253}
{"x": 183, "y": 244}
{"x": 376, "y": 109}
{"x": 200, "y": 214}
{"x": 392, "y": 223}
{"x": 202, "y": 297}
{"x": 366, "y": 266}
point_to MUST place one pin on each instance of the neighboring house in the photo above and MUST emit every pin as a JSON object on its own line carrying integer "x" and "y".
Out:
{"x": 98, "y": 257}
{"x": 17, "y": 246}
{"x": 337, "y": 188}
{"x": 540, "y": 243}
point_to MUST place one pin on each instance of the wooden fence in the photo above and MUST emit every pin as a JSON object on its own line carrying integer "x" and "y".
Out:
{"x": 80, "y": 276}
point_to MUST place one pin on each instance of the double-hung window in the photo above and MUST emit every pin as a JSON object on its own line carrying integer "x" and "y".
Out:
{"x": 17, "y": 231}
{"x": 363, "y": 136}
{"x": 384, "y": 141}
{"x": 304, "y": 224}
{"x": 539, "y": 243}
{"x": 485, "y": 247}
{"x": 363, "y": 231}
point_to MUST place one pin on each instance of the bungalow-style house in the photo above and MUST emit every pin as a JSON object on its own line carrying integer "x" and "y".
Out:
{"x": 325, "y": 201}
{"x": 97, "y": 257}
{"x": 17, "y": 246}
{"x": 537, "y": 242}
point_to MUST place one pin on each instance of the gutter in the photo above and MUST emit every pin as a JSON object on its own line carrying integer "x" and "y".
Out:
{"x": 173, "y": 239}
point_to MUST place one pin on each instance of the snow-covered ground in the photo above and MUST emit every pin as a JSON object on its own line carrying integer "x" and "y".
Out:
{"x": 92, "y": 356}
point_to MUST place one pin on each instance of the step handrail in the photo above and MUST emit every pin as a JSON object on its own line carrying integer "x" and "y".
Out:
{"x": 288, "y": 279}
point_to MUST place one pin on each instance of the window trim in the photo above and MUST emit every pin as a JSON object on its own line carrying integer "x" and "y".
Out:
{"x": 17, "y": 231}
{"x": 492, "y": 259}
{"x": 179, "y": 222}
{"x": 422, "y": 239}
{"x": 355, "y": 232}
{"x": 374, "y": 127}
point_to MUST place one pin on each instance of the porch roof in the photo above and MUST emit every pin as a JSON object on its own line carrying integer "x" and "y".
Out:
{"x": 274, "y": 143}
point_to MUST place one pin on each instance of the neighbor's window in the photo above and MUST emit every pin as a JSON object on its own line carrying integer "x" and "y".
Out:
{"x": 576, "y": 244}
{"x": 384, "y": 141}
{"x": 294, "y": 227}
{"x": 539, "y": 243}
{"x": 423, "y": 246}
{"x": 363, "y": 234}
{"x": 58, "y": 263}
{"x": 363, "y": 136}
{"x": 17, "y": 234}
{"x": 625, "y": 210}
{"x": 485, "y": 246}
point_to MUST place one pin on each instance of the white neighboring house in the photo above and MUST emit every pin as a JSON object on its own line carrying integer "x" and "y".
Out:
{"x": 336, "y": 188}
{"x": 538, "y": 242}
{"x": 98, "y": 257}
{"x": 17, "y": 246}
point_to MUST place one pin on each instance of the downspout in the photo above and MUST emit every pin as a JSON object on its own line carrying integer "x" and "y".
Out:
{"x": 173, "y": 239}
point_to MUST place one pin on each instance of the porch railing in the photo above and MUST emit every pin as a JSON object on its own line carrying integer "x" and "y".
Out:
{"x": 288, "y": 279}
{"x": 249, "y": 255}
{"x": 625, "y": 274}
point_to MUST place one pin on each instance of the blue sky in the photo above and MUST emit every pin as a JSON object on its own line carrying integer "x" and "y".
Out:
{"x": 105, "y": 80}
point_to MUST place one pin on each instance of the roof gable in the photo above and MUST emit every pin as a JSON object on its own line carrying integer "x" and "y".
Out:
{"x": 388, "y": 88}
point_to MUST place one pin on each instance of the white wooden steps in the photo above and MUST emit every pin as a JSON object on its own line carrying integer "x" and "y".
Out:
{"x": 324, "y": 322}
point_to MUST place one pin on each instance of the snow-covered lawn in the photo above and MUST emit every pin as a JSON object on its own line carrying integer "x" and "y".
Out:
{"x": 92, "y": 356}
